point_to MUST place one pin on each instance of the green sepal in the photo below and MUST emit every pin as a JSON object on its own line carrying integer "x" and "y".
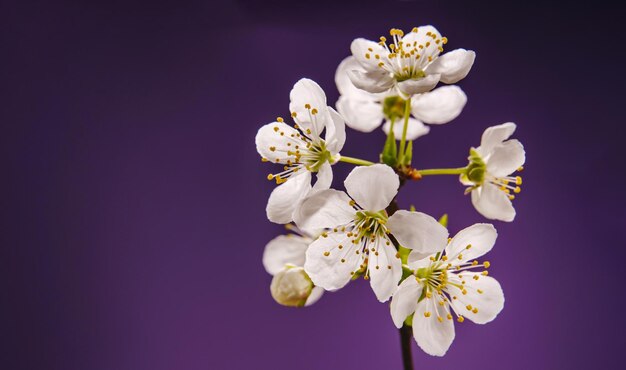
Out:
{"x": 408, "y": 154}
{"x": 476, "y": 168}
{"x": 390, "y": 151}
{"x": 404, "y": 254}
{"x": 444, "y": 220}
{"x": 409, "y": 320}
{"x": 406, "y": 272}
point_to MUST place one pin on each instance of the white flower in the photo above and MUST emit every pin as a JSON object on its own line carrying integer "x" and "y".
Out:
{"x": 283, "y": 258}
{"x": 491, "y": 165}
{"x": 301, "y": 150}
{"x": 365, "y": 111}
{"x": 411, "y": 64}
{"x": 444, "y": 284}
{"x": 358, "y": 240}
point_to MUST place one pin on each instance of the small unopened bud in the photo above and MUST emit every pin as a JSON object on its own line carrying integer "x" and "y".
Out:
{"x": 291, "y": 287}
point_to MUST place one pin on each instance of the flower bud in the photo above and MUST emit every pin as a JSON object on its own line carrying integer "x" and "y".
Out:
{"x": 291, "y": 287}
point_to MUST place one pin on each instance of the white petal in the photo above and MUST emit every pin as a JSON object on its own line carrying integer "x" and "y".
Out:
{"x": 418, "y": 260}
{"x": 506, "y": 158}
{"x": 335, "y": 132}
{"x": 365, "y": 52}
{"x": 489, "y": 303}
{"x": 424, "y": 37}
{"x": 404, "y": 301}
{"x": 268, "y": 137}
{"x": 372, "y": 187}
{"x": 432, "y": 335}
{"x": 418, "y": 231}
{"x": 414, "y": 129}
{"x": 373, "y": 82}
{"x": 285, "y": 198}
{"x": 495, "y": 135}
{"x": 345, "y": 85}
{"x": 441, "y": 105}
{"x": 316, "y": 294}
{"x": 418, "y": 86}
{"x": 481, "y": 237}
{"x": 453, "y": 66}
{"x": 304, "y": 92}
{"x": 284, "y": 249}
{"x": 324, "y": 209}
{"x": 324, "y": 177}
{"x": 360, "y": 115}
{"x": 385, "y": 269}
{"x": 493, "y": 203}
{"x": 323, "y": 261}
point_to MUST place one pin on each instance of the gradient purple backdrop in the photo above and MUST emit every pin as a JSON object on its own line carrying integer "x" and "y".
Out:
{"x": 134, "y": 199}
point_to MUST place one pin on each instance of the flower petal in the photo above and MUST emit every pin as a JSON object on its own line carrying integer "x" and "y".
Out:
{"x": 345, "y": 85}
{"x": 418, "y": 86}
{"x": 372, "y": 187}
{"x": 426, "y": 36}
{"x": 373, "y": 82}
{"x": 284, "y": 249}
{"x": 417, "y": 260}
{"x": 404, "y": 301}
{"x": 488, "y": 304}
{"x": 316, "y": 294}
{"x": 271, "y": 145}
{"x": 453, "y": 66}
{"x": 506, "y": 158}
{"x": 324, "y": 261}
{"x": 481, "y": 238}
{"x": 493, "y": 203}
{"x": 385, "y": 269}
{"x": 335, "y": 132}
{"x": 360, "y": 115}
{"x": 432, "y": 330}
{"x": 305, "y": 93}
{"x": 368, "y": 53}
{"x": 441, "y": 105}
{"x": 324, "y": 177}
{"x": 495, "y": 135}
{"x": 324, "y": 209}
{"x": 414, "y": 129}
{"x": 418, "y": 231}
{"x": 285, "y": 198}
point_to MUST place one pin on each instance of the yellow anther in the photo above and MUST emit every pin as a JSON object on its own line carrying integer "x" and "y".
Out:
{"x": 340, "y": 246}
{"x": 464, "y": 291}
{"x": 326, "y": 253}
{"x": 460, "y": 256}
{"x": 449, "y": 317}
{"x": 427, "y": 314}
{"x": 367, "y": 55}
{"x": 276, "y": 128}
{"x": 352, "y": 202}
{"x": 272, "y": 148}
{"x": 314, "y": 111}
{"x": 469, "y": 307}
{"x": 468, "y": 246}
{"x": 474, "y": 263}
{"x": 444, "y": 258}
{"x": 520, "y": 169}
{"x": 444, "y": 40}
{"x": 270, "y": 177}
{"x": 480, "y": 291}
{"x": 517, "y": 190}
{"x": 294, "y": 114}
{"x": 263, "y": 159}
{"x": 280, "y": 119}
{"x": 439, "y": 318}
{"x": 475, "y": 310}
{"x": 383, "y": 39}
{"x": 484, "y": 273}
{"x": 460, "y": 319}
{"x": 511, "y": 197}
{"x": 343, "y": 260}
{"x": 307, "y": 106}
{"x": 415, "y": 29}
{"x": 518, "y": 180}
{"x": 429, "y": 294}
{"x": 486, "y": 264}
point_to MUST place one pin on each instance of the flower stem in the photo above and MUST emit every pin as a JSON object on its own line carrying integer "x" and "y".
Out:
{"x": 407, "y": 113}
{"x": 357, "y": 161}
{"x": 443, "y": 171}
{"x": 405, "y": 344}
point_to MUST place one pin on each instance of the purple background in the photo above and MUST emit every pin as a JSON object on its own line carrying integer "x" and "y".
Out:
{"x": 134, "y": 200}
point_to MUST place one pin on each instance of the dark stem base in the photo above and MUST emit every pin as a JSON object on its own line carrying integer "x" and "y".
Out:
{"x": 406, "y": 333}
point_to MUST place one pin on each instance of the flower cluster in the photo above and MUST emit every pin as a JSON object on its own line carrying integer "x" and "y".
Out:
{"x": 340, "y": 236}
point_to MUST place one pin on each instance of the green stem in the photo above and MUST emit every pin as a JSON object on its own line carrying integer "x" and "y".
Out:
{"x": 407, "y": 113}
{"x": 443, "y": 171}
{"x": 357, "y": 161}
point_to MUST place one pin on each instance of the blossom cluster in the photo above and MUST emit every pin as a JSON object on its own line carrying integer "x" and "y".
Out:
{"x": 339, "y": 236}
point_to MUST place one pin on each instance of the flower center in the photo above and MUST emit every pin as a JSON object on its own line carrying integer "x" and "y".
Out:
{"x": 393, "y": 107}
{"x": 300, "y": 151}
{"x": 405, "y": 59}
{"x": 370, "y": 224}
{"x": 477, "y": 173}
